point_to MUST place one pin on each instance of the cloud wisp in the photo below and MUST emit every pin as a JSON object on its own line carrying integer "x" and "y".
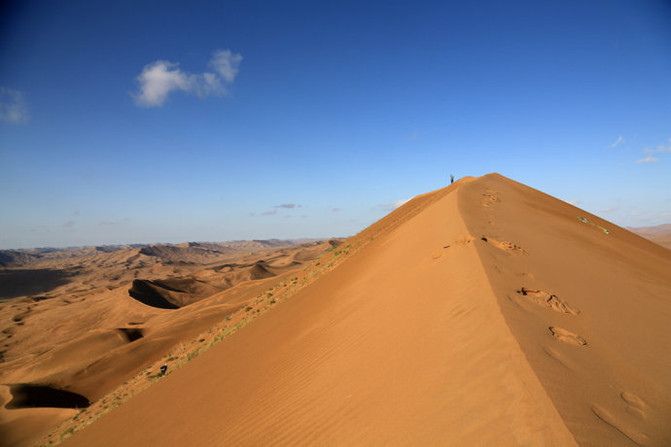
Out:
{"x": 658, "y": 150}
{"x": 610, "y": 210}
{"x": 620, "y": 140}
{"x": 12, "y": 106}
{"x": 160, "y": 78}
{"x": 648, "y": 159}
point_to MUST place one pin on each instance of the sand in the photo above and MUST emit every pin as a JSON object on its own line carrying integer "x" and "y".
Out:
{"x": 97, "y": 327}
{"x": 484, "y": 313}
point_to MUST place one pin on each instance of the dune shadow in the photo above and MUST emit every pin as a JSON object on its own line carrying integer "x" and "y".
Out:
{"x": 27, "y": 395}
{"x": 25, "y": 282}
{"x": 145, "y": 292}
{"x": 131, "y": 334}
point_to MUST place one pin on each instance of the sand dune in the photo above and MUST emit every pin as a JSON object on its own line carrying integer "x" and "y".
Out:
{"x": 85, "y": 334}
{"x": 485, "y": 313}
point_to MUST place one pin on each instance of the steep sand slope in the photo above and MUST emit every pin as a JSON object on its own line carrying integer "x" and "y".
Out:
{"x": 593, "y": 319}
{"x": 403, "y": 343}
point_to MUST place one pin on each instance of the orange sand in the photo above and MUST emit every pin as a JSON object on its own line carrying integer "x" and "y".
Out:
{"x": 484, "y": 313}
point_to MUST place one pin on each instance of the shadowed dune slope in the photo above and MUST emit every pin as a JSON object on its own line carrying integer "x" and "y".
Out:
{"x": 402, "y": 343}
{"x": 593, "y": 323}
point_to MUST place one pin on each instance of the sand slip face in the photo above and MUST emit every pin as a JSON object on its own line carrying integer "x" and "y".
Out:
{"x": 591, "y": 310}
{"x": 403, "y": 343}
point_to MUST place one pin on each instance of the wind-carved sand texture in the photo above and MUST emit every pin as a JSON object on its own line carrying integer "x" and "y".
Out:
{"x": 417, "y": 337}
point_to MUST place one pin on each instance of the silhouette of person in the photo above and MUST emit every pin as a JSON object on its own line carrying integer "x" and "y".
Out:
{"x": 451, "y": 178}
{"x": 164, "y": 368}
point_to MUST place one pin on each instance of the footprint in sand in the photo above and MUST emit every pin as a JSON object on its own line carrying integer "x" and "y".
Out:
{"x": 622, "y": 426}
{"x": 490, "y": 197}
{"x": 506, "y": 246}
{"x": 567, "y": 336}
{"x": 548, "y": 300}
{"x": 635, "y": 405}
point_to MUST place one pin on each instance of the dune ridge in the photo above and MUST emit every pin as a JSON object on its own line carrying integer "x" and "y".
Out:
{"x": 403, "y": 342}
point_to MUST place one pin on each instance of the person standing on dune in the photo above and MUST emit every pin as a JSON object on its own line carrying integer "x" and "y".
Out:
{"x": 451, "y": 178}
{"x": 164, "y": 368}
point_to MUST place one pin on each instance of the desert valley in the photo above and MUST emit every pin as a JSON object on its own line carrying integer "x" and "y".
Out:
{"x": 484, "y": 313}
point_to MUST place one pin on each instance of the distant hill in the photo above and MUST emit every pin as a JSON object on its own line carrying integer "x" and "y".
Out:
{"x": 659, "y": 234}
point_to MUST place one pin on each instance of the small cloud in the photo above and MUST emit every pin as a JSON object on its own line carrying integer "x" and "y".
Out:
{"x": 69, "y": 224}
{"x": 160, "y": 78}
{"x": 269, "y": 213}
{"x": 666, "y": 214}
{"x": 635, "y": 213}
{"x": 335, "y": 210}
{"x": 610, "y": 210}
{"x": 574, "y": 202}
{"x": 12, "y": 106}
{"x": 226, "y": 64}
{"x": 620, "y": 140}
{"x": 288, "y": 206}
{"x": 648, "y": 159}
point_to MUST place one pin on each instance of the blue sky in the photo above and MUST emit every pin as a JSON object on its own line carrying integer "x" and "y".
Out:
{"x": 137, "y": 122}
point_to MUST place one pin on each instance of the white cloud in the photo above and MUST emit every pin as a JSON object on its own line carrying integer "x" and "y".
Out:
{"x": 648, "y": 159}
{"x": 619, "y": 140}
{"x": 226, "y": 64}
{"x": 160, "y": 78}
{"x": 574, "y": 202}
{"x": 12, "y": 106}
{"x": 610, "y": 210}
